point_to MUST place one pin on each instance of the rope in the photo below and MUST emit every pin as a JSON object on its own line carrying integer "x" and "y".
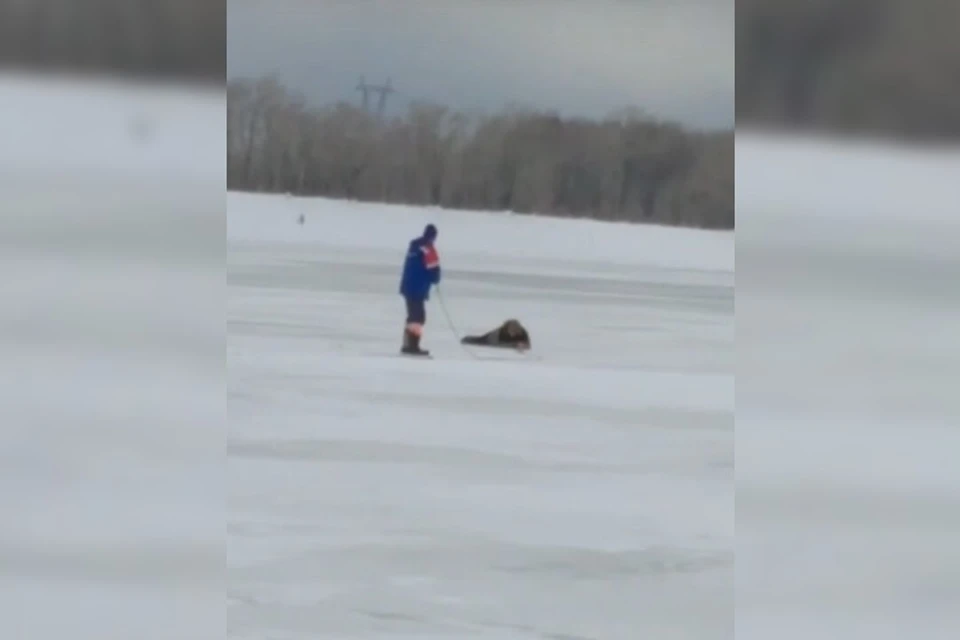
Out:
{"x": 459, "y": 336}
{"x": 453, "y": 327}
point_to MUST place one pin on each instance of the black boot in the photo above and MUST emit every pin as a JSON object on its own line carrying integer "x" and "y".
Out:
{"x": 416, "y": 347}
{"x": 407, "y": 345}
{"x": 411, "y": 345}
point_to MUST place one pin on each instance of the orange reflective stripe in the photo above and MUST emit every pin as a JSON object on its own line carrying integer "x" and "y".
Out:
{"x": 430, "y": 256}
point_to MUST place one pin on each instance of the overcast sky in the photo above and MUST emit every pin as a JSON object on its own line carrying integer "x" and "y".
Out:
{"x": 671, "y": 58}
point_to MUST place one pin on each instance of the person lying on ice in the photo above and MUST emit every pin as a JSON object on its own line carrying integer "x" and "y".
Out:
{"x": 421, "y": 270}
{"x": 510, "y": 334}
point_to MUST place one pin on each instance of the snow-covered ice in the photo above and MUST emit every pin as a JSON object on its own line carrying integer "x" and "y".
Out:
{"x": 848, "y": 418}
{"x": 583, "y": 491}
{"x": 111, "y": 360}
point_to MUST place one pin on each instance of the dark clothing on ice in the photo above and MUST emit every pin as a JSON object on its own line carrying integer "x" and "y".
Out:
{"x": 510, "y": 334}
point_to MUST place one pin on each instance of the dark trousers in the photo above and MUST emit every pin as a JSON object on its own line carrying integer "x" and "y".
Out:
{"x": 416, "y": 311}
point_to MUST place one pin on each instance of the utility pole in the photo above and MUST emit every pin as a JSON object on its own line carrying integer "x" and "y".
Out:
{"x": 364, "y": 90}
{"x": 382, "y": 90}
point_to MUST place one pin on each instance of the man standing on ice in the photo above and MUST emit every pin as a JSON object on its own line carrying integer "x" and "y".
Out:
{"x": 421, "y": 270}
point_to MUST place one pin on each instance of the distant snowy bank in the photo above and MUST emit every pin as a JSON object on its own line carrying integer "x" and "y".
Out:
{"x": 363, "y": 226}
{"x": 84, "y": 128}
{"x": 846, "y": 196}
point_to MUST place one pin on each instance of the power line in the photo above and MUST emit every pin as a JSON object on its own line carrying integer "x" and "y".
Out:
{"x": 383, "y": 92}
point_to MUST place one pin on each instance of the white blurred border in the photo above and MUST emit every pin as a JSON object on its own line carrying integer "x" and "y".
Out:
{"x": 848, "y": 420}
{"x": 112, "y": 380}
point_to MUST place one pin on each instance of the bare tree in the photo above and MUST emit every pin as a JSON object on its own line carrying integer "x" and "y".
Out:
{"x": 862, "y": 66}
{"x": 173, "y": 38}
{"x": 627, "y": 167}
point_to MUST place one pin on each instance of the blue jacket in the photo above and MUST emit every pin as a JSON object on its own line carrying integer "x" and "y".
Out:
{"x": 421, "y": 268}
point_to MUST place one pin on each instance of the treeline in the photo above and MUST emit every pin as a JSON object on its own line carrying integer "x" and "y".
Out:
{"x": 861, "y": 66}
{"x": 177, "y": 39}
{"x": 626, "y": 167}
